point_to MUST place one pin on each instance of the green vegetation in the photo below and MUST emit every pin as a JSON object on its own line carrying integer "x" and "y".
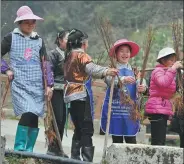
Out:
{"x": 18, "y": 160}
{"x": 129, "y": 19}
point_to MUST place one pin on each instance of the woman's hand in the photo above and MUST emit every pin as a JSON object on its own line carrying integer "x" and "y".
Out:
{"x": 112, "y": 72}
{"x": 177, "y": 65}
{"x": 49, "y": 93}
{"x": 129, "y": 80}
{"x": 9, "y": 73}
{"x": 141, "y": 88}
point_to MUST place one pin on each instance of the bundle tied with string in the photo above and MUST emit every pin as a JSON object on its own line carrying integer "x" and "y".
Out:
{"x": 48, "y": 120}
{"x": 178, "y": 98}
{"x": 49, "y": 128}
{"x": 50, "y": 124}
{"x": 139, "y": 112}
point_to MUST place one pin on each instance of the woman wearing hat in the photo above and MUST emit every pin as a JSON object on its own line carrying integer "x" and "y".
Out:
{"x": 121, "y": 125}
{"x": 78, "y": 69}
{"x": 162, "y": 88}
{"x": 57, "y": 57}
{"x": 26, "y": 49}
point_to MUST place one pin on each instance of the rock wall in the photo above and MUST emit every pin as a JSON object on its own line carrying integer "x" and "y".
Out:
{"x": 144, "y": 154}
{"x": 2, "y": 148}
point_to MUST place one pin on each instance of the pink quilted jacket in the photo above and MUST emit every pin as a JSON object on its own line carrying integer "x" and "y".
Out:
{"x": 162, "y": 88}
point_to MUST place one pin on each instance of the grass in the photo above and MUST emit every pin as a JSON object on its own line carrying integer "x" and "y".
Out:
{"x": 13, "y": 160}
{"x": 18, "y": 160}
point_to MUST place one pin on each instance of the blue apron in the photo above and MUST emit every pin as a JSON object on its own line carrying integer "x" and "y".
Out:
{"x": 88, "y": 85}
{"x": 120, "y": 123}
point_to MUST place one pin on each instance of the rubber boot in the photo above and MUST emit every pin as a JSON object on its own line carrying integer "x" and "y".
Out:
{"x": 32, "y": 136}
{"x": 75, "y": 150}
{"x": 88, "y": 153}
{"x": 21, "y": 138}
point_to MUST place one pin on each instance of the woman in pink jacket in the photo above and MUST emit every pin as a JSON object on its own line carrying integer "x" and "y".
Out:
{"x": 162, "y": 88}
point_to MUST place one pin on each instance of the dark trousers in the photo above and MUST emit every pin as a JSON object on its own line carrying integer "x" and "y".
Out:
{"x": 177, "y": 126}
{"x": 181, "y": 132}
{"x": 119, "y": 139}
{"x": 29, "y": 119}
{"x": 59, "y": 110}
{"x": 81, "y": 116}
{"x": 182, "y": 140}
{"x": 158, "y": 128}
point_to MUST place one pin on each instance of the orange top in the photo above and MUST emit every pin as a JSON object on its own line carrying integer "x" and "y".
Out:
{"x": 74, "y": 71}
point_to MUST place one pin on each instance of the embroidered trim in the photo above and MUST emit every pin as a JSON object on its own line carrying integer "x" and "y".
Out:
{"x": 78, "y": 50}
{"x": 60, "y": 52}
{"x": 75, "y": 96}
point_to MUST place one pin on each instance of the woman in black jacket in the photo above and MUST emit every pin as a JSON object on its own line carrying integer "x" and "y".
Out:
{"x": 57, "y": 61}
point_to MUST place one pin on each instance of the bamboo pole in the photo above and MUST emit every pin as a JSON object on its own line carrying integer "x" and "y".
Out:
{"x": 108, "y": 120}
{"x": 177, "y": 38}
{"x": 148, "y": 43}
{"x": 147, "y": 50}
{"x": 105, "y": 30}
{"x": 4, "y": 98}
{"x": 176, "y": 32}
{"x": 151, "y": 69}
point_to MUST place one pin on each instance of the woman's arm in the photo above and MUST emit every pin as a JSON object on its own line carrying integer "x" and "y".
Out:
{"x": 95, "y": 70}
{"x": 47, "y": 65}
{"x": 163, "y": 78}
{"x": 91, "y": 68}
{"x": 108, "y": 80}
{"x": 5, "y": 48}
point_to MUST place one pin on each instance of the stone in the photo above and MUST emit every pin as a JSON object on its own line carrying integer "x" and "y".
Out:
{"x": 2, "y": 148}
{"x": 143, "y": 154}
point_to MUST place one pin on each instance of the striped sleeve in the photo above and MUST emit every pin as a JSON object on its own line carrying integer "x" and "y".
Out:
{"x": 95, "y": 70}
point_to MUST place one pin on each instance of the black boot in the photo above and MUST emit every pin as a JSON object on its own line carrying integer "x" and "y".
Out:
{"x": 53, "y": 149}
{"x": 88, "y": 153}
{"x": 75, "y": 150}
